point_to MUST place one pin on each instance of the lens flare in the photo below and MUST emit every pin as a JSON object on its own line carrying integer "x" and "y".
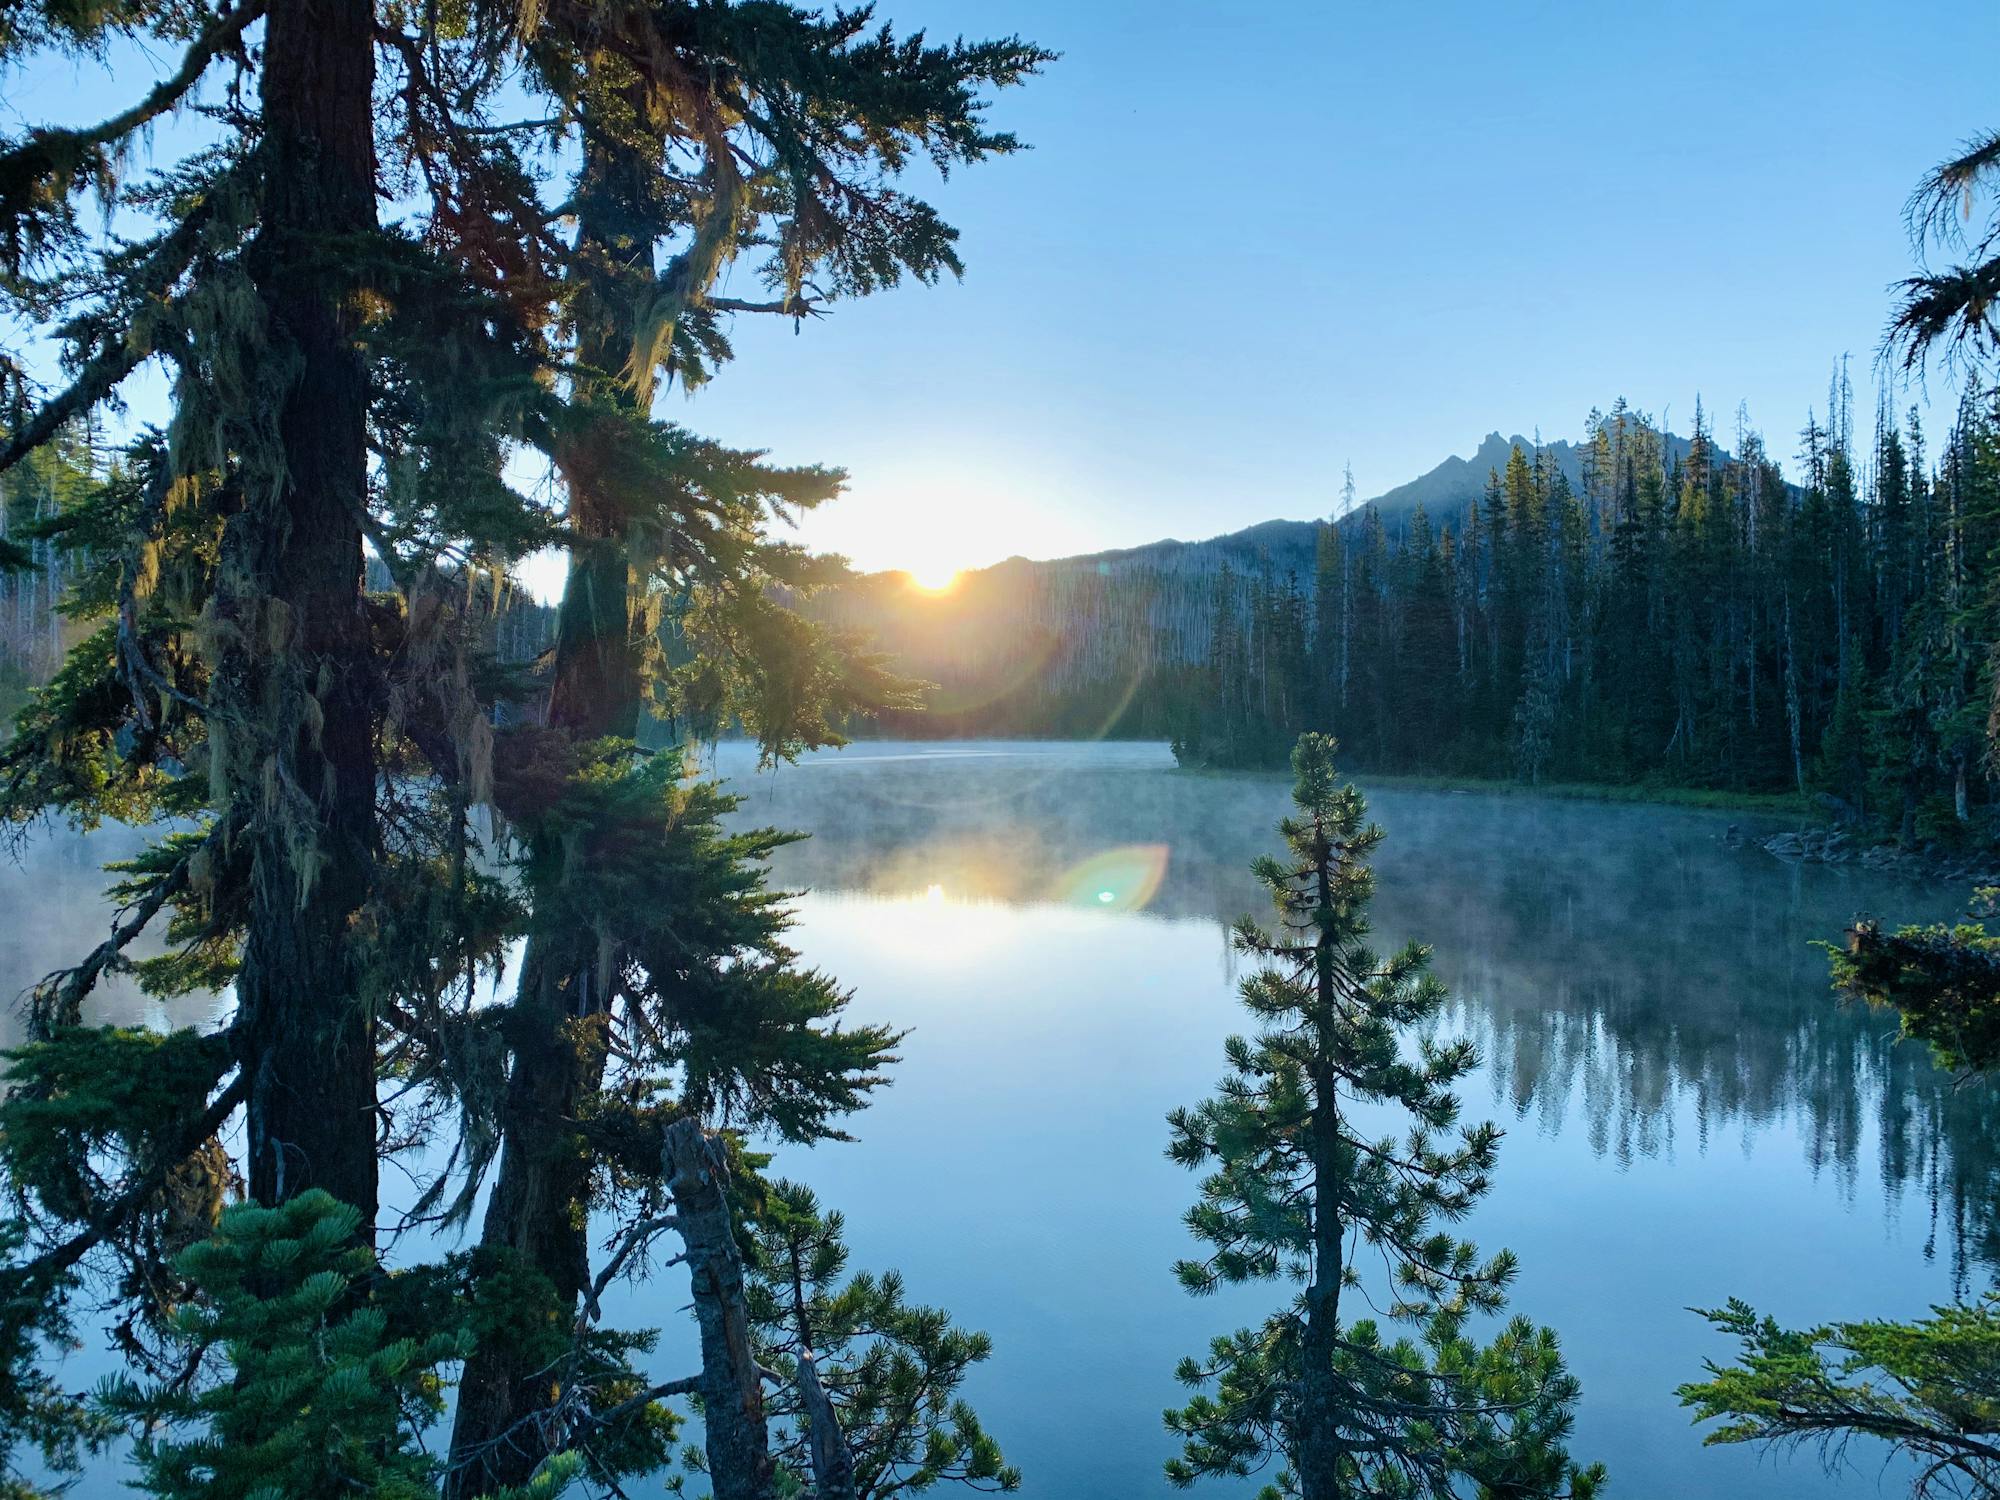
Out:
{"x": 1123, "y": 879}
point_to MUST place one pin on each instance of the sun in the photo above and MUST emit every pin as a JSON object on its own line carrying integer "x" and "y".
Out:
{"x": 932, "y": 578}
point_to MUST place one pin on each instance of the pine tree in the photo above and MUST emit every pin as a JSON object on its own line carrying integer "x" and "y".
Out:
{"x": 869, "y": 1406}
{"x": 705, "y": 1017}
{"x": 1950, "y": 311}
{"x": 1296, "y": 1190}
{"x": 1929, "y": 1388}
{"x": 37, "y": 1412}
{"x": 235, "y": 674}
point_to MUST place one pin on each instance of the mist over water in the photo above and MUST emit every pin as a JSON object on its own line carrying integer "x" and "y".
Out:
{"x": 1690, "y": 1113}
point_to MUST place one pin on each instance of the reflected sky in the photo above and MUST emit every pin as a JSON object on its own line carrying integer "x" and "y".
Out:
{"x": 1689, "y": 1112}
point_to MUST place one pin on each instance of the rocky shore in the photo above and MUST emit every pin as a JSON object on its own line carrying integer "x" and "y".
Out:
{"x": 1836, "y": 846}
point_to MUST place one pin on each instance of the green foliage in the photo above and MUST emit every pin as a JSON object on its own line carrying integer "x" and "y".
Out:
{"x": 1950, "y": 311}
{"x": 314, "y": 1398}
{"x": 1679, "y": 618}
{"x": 316, "y": 756}
{"x": 1843, "y": 764}
{"x": 891, "y": 1370}
{"x": 1295, "y": 1190}
{"x": 1929, "y": 1389}
{"x": 294, "y": 1385}
{"x": 1495, "y": 1416}
{"x": 631, "y": 852}
{"x": 35, "y": 1410}
{"x": 499, "y": 1299}
{"x": 92, "y": 1110}
{"x": 1944, "y": 983}
{"x": 64, "y": 751}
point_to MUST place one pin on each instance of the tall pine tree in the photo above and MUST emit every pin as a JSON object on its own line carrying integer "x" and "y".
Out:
{"x": 1404, "y": 1401}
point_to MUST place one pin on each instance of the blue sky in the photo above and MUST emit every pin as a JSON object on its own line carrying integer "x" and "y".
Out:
{"x": 1256, "y": 241}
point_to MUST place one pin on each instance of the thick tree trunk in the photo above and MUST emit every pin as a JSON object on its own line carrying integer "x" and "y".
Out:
{"x": 557, "y": 1035}
{"x": 538, "y": 1209}
{"x": 295, "y": 692}
{"x": 732, "y": 1391}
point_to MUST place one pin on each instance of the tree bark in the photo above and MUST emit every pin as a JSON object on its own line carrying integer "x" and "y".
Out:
{"x": 539, "y": 1208}
{"x": 295, "y": 688}
{"x": 557, "y": 1036}
{"x": 732, "y": 1391}
{"x": 832, "y": 1459}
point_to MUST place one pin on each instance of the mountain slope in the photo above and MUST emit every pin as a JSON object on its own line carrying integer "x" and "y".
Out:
{"x": 1044, "y": 646}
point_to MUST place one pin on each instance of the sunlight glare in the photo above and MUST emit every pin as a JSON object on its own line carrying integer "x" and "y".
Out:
{"x": 932, "y": 578}
{"x": 1124, "y": 879}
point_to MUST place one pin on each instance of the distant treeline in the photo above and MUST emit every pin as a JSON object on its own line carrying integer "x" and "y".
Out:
{"x": 33, "y": 633}
{"x": 1642, "y": 608}
{"x": 1697, "y": 621}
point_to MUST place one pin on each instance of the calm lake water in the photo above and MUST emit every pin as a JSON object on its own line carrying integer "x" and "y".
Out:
{"x": 1690, "y": 1114}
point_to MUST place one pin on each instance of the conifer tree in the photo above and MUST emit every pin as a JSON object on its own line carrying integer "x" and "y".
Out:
{"x": 235, "y": 673}
{"x": 1928, "y": 1388}
{"x": 869, "y": 1406}
{"x": 331, "y": 744}
{"x": 707, "y": 132}
{"x": 37, "y": 1412}
{"x": 702, "y": 1016}
{"x": 313, "y": 1396}
{"x": 1405, "y": 1401}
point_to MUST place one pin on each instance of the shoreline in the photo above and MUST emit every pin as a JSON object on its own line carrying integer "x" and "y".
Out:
{"x": 1771, "y": 804}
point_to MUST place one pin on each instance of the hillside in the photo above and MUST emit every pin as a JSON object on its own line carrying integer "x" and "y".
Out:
{"x": 1086, "y": 644}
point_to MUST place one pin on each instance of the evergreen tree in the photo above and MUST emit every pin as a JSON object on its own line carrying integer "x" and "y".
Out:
{"x": 1690, "y": 620}
{"x": 313, "y": 1397}
{"x": 1928, "y": 1389}
{"x": 1297, "y": 1190}
{"x": 706, "y": 132}
{"x": 60, "y": 1426}
{"x": 869, "y": 1405}
{"x": 333, "y": 746}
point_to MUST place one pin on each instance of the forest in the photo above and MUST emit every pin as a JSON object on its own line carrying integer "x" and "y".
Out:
{"x": 507, "y": 1016}
{"x": 1702, "y": 622}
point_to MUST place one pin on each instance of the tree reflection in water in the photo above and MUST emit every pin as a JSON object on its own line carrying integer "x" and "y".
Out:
{"x": 1624, "y": 968}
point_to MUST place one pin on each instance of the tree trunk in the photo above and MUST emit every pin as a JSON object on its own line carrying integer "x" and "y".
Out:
{"x": 1318, "y": 1458}
{"x": 295, "y": 689}
{"x": 539, "y": 1209}
{"x": 557, "y": 1035}
{"x": 832, "y": 1459}
{"x": 732, "y": 1391}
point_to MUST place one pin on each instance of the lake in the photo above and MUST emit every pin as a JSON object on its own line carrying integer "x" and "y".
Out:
{"x": 1690, "y": 1114}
